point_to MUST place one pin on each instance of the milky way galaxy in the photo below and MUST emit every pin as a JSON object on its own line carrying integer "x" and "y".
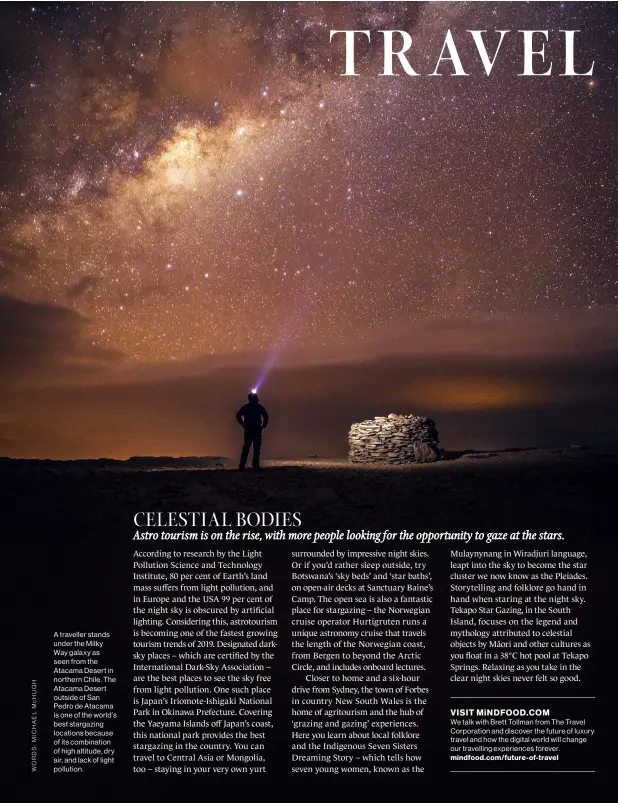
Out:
{"x": 185, "y": 177}
{"x": 184, "y": 183}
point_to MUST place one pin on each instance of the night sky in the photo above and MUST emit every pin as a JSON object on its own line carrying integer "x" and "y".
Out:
{"x": 191, "y": 192}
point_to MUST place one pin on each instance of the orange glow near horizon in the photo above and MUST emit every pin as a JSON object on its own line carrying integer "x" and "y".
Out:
{"x": 477, "y": 394}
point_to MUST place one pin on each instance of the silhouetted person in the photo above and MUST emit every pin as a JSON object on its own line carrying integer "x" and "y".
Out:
{"x": 253, "y": 418}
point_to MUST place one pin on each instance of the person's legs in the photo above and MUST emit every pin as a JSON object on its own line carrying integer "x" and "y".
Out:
{"x": 245, "y": 450}
{"x": 257, "y": 445}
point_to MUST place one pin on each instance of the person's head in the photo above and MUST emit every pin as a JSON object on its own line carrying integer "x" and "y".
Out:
{"x": 253, "y": 397}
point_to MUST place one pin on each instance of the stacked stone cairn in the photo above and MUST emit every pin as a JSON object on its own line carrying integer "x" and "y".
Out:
{"x": 394, "y": 438}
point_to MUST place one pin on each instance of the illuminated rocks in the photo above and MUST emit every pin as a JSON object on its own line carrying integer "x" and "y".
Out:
{"x": 395, "y": 438}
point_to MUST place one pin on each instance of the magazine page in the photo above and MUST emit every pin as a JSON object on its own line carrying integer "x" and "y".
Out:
{"x": 308, "y": 421}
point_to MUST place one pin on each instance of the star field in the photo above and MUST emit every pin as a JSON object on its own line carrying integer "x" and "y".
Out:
{"x": 198, "y": 180}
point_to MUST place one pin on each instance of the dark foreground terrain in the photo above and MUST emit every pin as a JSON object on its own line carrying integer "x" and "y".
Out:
{"x": 518, "y": 489}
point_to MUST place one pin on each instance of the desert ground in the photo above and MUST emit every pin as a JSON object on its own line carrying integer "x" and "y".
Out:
{"x": 516, "y": 488}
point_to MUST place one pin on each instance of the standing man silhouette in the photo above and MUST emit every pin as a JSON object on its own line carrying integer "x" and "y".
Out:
{"x": 253, "y": 418}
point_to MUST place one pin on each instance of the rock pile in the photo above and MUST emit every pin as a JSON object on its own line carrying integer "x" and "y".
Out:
{"x": 394, "y": 439}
